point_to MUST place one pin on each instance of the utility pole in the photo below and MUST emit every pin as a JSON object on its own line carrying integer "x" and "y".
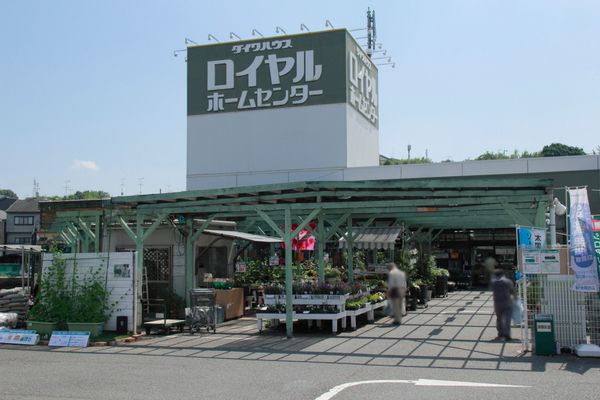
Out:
{"x": 409, "y": 147}
{"x": 122, "y": 185}
{"x": 141, "y": 179}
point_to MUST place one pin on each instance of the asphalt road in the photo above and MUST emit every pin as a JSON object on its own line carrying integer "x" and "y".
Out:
{"x": 445, "y": 352}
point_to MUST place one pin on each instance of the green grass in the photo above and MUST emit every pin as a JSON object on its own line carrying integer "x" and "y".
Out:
{"x": 108, "y": 337}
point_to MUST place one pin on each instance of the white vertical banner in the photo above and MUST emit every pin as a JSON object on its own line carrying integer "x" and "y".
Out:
{"x": 583, "y": 255}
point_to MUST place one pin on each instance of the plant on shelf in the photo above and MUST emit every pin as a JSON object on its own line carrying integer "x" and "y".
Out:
{"x": 276, "y": 308}
{"x": 339, "y": 289}
{"x": 321, "y": 288}
{"x": 376, "y": 297}
{"x": 332, "y": 275}
{"x": 223, "y": 283}
{"x": 424, "y": 270}
{"x": 352, "y": 305}
{"x": 414, "y": 288}
{"x": 328, "y": 309}
{"x": 274, "y": 288}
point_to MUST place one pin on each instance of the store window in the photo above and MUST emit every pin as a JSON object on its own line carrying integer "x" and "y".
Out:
{"x": 212, "y": 260}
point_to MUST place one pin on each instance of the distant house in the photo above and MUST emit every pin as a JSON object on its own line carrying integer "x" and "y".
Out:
{"x": 22, "y": 223}
{"x": 2, "y": 225}
{"x": 6, "y": 202}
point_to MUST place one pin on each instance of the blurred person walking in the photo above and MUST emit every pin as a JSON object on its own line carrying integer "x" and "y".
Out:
{"x": 396, "y": 292}
{"x": 503, "y": 292}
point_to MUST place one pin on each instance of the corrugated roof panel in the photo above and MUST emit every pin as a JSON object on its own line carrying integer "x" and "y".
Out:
{"x": 374, "y": 238}
{"x": 244, "y": 236}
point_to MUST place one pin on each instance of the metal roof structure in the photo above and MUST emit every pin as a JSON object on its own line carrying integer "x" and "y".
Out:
{"x": 424, "y": 207}
{"x": 472, "y": 203}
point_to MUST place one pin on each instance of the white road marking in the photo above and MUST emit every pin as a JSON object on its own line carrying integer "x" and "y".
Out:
{"x": 430, "y": 382}
{"x": 419, "y": 382}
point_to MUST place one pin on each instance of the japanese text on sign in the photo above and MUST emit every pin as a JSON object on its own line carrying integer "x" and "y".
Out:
{"x": 362, "y": 86}
{"x": 222, "y": 74}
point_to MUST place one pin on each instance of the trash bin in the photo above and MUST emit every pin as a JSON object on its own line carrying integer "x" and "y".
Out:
{"x": 545, "y": 343}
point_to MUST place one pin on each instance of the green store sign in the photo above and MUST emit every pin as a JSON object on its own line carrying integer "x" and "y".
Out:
{"x": 288, "y": 71}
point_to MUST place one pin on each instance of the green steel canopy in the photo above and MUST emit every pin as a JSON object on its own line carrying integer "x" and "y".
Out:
{"x": 282, "y": 210}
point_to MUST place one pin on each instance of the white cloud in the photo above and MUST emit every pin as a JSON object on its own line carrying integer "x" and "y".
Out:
{"x": 79, "y": 164}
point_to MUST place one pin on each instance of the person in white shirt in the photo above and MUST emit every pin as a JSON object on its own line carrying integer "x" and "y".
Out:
{"x": 396, "y": 292}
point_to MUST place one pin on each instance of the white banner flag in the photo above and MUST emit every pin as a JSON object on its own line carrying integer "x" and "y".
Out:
{"x": 583, "y": 254}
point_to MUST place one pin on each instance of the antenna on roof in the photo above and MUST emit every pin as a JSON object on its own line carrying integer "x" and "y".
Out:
{"x": 371, "y": 32}
{"x": 36, "y": 188}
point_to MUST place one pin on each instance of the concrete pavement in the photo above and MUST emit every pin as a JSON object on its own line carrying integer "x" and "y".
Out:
{"x": 446, "y": 350}
{"x": 453, "y": 332}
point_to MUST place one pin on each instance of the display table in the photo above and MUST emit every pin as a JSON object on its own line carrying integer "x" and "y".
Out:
{"x": 369, "y": 309}
{"x": 232, "y": 302}
{"x": 275, "y": 317}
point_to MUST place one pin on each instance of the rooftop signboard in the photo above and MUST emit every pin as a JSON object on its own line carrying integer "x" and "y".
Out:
{"x": 287, "y": 71}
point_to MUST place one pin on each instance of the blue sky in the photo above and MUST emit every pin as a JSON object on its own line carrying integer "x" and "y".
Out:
{"x": 91, "y": 96}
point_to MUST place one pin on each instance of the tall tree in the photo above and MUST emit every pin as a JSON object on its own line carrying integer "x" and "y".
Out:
{"x": 559, "y": 149}
{"x": 8, "y": 193}
{"x": 492, "y": 156}
{"x": 85, "y": 195}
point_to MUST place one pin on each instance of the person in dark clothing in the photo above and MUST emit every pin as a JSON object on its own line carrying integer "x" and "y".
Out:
{"x": 503, "y": 292}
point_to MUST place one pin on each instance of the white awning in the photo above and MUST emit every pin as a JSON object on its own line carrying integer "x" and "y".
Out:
{"x": 244, "y": 236}
{"x": 374, "y": 238}
{"x": 27, "y": 248}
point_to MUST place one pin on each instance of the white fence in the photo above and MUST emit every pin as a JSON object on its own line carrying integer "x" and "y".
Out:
{"x": 119, "y": 270}
{"x": 576, "y": 314}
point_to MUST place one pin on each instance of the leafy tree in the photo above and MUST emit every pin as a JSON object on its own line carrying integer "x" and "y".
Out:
{"x": 85, "y": 195}
{"x": 559, "y": 149}
{"x": 8, "y": 193}
{"x": 492, "y": 156}
{"x": 527, "y": 154}
{"x": 394, "y": 161}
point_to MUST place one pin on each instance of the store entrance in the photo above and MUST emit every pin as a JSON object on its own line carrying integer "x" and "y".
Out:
{"x": 157, "y": 270}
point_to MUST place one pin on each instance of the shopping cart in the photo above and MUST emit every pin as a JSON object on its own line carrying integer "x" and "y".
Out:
{"x": 202, "y": 312}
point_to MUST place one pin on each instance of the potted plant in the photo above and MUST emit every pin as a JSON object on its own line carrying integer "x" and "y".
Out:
{"x": 441, "y": 283}
{"x": 90, "y": 308}
{"x": 332, "y": 275}
{"x": 52, "y": 302}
